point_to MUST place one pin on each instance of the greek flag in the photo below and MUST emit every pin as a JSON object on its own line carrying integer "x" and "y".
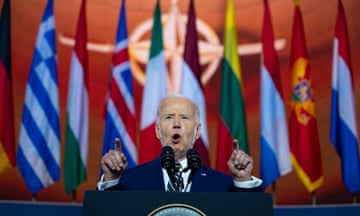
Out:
{"x": 38, "y": 156}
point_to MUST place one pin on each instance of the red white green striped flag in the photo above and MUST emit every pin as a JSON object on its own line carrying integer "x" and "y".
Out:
{"x": 77, "y": 127}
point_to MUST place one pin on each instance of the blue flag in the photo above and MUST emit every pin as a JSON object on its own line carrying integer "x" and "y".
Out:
{"x": 38, "y": 156}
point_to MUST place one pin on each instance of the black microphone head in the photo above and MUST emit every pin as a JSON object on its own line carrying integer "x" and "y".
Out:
{"x": 167, "y": 158}
{"x": 194, "y": 160}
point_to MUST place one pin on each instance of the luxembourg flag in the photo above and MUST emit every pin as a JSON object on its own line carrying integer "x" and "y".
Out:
{"x": 343, "y": 130}
{"x": 275, "y": 153}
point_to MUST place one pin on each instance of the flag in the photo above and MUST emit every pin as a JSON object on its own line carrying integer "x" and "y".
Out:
{"x": 274, "y": 141}
{"x": 232, "y": 119}
{"x": 191, "y": 84}
{"x": 303, "y": 132}
{"x": 77, "y": 127}
{"x": 7, "y": 141}
{"x": 154, "y": 90}
{"x": 38, "y": 156}
{"x": 120, "y": 110}
{"x": 343, "y": 130}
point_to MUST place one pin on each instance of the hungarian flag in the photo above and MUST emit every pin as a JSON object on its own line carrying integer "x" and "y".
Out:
{"x": 191, "y": 85}
{"x": 155, "y": 89}
{"x": 77, "y": 127}
{"x": 275, "y": 154}
{"x": 38, "y": 155}
{"x": 232, "y": 119}
{"x": 7, "y": 141}
{"x": 304, "y": 139}
{"x": 120, "y": 110}
{"x": 343, "y": 130}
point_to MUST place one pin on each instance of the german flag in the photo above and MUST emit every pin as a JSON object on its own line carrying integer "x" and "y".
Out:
{"x": 7, "y": 142}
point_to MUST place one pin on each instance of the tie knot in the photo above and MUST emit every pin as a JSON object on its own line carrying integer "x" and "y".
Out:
{"x": 178, "y": 167}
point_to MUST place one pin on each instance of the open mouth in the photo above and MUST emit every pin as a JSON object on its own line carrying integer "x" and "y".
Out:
{"x": 175, "y": 138}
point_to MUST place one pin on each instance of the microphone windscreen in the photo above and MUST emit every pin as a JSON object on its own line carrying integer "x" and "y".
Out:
{"x": 167, "y": 157}
{"x": 194, "y": 160}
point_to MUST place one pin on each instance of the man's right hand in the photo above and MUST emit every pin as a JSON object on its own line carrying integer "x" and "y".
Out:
{"x": 114, "y": 162}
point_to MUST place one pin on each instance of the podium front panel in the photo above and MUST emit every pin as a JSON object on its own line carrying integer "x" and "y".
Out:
{"x": 111, "y": 203}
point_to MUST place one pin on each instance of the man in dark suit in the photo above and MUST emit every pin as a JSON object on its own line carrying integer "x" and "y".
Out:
{"x": 177, "y": 126}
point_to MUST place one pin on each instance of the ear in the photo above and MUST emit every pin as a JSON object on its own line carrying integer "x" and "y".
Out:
{"x": 198, "y": 130}
{"x": 157, "y": 131}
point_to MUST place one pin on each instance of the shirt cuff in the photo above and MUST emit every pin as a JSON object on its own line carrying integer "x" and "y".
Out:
{"x": 252, "y": 183}
{"x": 103, "y": 185}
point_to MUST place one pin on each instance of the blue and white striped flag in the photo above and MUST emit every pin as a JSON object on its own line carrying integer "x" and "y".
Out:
{"x": 38, "y": 156}
{"x": 120, "y": 110}
{"x": 343, "y": 131}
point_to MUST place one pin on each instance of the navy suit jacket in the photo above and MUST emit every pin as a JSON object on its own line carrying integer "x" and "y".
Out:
{"x": 149, "y": 177}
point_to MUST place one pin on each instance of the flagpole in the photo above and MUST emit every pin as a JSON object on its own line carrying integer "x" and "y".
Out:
{"x": 313, "y": 197}
{"x": 354, "y": 198}
{"x": 274, "y": 193}
{"x": 73, "y": 196}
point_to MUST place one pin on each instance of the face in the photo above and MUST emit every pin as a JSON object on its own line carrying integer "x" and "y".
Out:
{"x": 177, "y": 125}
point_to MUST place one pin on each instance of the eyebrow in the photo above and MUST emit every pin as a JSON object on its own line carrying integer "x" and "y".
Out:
{"x": 174, "y": 114}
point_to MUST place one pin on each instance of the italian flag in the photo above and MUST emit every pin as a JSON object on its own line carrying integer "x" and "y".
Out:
{"x": 232, "y": 119}
{"x": 154, "y": 90}
{"x": 77, "y": 127}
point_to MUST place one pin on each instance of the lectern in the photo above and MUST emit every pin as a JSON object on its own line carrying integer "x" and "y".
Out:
{"x": 149, "y": 203}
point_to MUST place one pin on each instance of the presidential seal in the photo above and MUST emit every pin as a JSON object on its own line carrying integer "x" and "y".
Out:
{"x": 177, "y": 210}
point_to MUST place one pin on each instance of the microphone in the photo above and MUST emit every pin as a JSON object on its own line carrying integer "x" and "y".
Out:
{"x": 167, "y": 158}
{"x": 168, "y": 161}
{"x": 194, "y": 163}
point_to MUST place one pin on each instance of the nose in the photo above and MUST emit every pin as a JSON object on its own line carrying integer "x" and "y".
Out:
{"x": 176, "y": 123}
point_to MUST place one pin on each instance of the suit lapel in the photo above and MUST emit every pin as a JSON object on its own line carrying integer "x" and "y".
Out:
{"x": 155, "y": 176}
{"x": 200, "y": 179}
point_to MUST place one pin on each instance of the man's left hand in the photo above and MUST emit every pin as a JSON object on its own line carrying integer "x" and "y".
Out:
{"x": 240, "y": 164}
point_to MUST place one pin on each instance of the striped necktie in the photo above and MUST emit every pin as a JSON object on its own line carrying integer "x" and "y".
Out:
{"x": 178, "y": 184}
